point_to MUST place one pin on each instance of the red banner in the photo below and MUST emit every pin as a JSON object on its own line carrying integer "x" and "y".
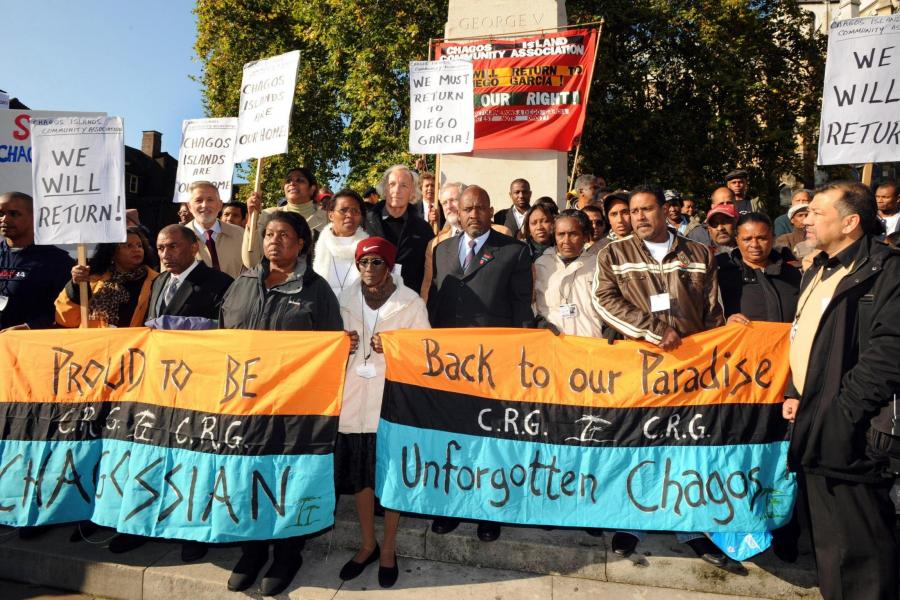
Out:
{"x": 530, "y": 92}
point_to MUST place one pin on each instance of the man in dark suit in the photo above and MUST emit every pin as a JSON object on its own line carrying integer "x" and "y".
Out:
{"x": 520, "y": 194}
{"x": 186, "y": 287}
{"x": 482, "y": 278}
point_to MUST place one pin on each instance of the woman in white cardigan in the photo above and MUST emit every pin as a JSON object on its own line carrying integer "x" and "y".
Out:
{"x": 371, "y": 304}
{"x": 336, "y": 247}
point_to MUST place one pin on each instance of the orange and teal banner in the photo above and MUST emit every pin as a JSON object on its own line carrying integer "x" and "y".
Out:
{"x": 520, "y": 426}
{"x": 213, "y": 436}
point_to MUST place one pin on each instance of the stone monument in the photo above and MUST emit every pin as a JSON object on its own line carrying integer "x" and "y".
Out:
{"x": 493, "y": 170}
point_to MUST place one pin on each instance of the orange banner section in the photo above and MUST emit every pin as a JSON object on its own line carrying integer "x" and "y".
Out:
{"x": 733, "y": 364}
{"x": 225, "y": 371}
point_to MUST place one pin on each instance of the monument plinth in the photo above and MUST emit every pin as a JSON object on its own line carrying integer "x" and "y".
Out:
{"x": 493, "y": 170}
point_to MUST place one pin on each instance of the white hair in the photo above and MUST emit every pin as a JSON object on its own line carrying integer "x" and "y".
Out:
{"x": 416, "y": 192}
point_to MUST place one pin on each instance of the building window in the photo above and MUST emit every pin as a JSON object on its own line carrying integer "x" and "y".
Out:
{"x": 132, "y": 184}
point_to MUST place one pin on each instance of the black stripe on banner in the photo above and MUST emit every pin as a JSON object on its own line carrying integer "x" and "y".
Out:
{"x": 706, "y": 425}
{"x": 169, "y": 427}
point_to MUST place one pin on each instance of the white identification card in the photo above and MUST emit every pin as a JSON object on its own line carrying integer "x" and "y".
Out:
{"x": 4, "y": 300}
{"x": 825, "y": 303}
{"x": 568, "y": 310}
{"x": 659, "y": 302}
{"x": 366, "y": 371}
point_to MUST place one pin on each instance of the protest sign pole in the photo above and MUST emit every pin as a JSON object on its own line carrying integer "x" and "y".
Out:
{"x": 867, "y": 173}
{"x": 437, "y": 191}
{"x": 83, "y": 287}
{"x": 587, "y": 97}
{"x": 254, "y": 216}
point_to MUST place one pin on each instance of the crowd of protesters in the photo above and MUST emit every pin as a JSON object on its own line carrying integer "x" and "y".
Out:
{"x": 638, "y": 264}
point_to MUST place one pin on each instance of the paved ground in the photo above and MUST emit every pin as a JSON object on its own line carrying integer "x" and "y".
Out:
{"x": 13, "y": 590}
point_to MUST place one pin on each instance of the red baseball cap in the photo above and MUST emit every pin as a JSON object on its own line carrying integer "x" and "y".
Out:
{"x": 378, "y": 246}
{"x": 722, "y": 209}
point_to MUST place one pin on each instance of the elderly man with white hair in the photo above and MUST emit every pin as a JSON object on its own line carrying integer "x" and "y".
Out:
{"x": 393, "y": 220}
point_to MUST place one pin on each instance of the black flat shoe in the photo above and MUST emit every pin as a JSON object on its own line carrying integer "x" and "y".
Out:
{"x": 192, "y": 551}
{"x": 247, "y": 568}
{"x": 387, "y": 576}
{"x": 708, "y": 551}
{"x": 30, "y": 533}
{"x": 624, "y": 544}
{"x": 442, "y": 525}
{"x": 280, "y": 574}
{"x": 594, "y": 532}
{"x": 353, "y": 569}
{"x": 83, "y": 530}
{"x": 126, "y": 542}
{"x": 488, "y": 532}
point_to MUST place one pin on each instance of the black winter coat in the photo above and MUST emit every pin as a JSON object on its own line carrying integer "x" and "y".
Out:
{"x": 760, "y": 296}
{"x": 847, "y": 386}
{"x": 414, "y": 237}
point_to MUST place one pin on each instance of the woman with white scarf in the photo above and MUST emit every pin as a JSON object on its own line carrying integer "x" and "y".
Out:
{"x": 335, "y": 253}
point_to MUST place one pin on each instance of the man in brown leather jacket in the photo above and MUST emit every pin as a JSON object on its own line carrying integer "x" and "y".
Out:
{"x": 658, "y": 286}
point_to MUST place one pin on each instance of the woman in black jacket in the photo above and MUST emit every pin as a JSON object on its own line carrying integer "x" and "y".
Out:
{"x": 282, "y": 293}
{"x": 756, "y": 282}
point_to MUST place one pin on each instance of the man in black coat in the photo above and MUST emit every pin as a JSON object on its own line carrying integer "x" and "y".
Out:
{"x": 398, "y": 222}
{"x": 186, "y": 287}
{"x": 520, "y": 194}
{"x": 842, "y": 398}
{"x": 482, "y": 278}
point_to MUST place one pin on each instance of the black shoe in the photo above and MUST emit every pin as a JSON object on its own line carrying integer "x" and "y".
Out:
{"x": 706, "y": 550}
{"x": 191, "y": 551}
{"x": 786, "y": 551}
{"x": 248, "y": 566}
{"x": 30, "y": 533}
{"x": 281, "y": 573}
{"x": 353, "y": 569}
{"x": 594, "y": 532}
{"x": 488, "y": 532}
{"x": 387, "y": 576}
{"x": 442, "y": 525}
{"x": 126, "y": 542}
{"x": 624, "y": 544}
{"x": 83, "y": 531}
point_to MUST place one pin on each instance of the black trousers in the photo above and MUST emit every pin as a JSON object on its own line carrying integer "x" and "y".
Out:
{"x": 853, "y": 534}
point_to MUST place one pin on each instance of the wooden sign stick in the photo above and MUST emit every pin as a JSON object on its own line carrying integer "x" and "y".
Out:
{"x": 867, "y": 173}
{"x": 254, "y": 216}
{"x": 83, "y": 288}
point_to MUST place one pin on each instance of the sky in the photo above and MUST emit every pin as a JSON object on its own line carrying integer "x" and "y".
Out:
{"x": 128, "y": 58}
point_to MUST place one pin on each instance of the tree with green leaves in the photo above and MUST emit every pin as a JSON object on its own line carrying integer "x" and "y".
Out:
{"x": 684, "y": 90}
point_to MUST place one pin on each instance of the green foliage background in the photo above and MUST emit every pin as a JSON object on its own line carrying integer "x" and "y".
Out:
{"x": 684, "y": 90}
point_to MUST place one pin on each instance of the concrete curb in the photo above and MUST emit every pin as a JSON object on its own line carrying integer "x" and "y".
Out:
{"x": 155, "y": 571}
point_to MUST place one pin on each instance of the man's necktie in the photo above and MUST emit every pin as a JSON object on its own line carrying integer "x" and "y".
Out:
{"x": 170, "y": 293}
{"x": 470, "y": 256}
{"x": 211, "y": 246}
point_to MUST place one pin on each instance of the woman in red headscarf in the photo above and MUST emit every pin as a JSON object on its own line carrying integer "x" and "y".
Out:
{"x": 371, "y": 304}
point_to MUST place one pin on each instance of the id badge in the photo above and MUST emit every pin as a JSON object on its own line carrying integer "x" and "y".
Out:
{"x": 660, "y": 302}
{"x": 366, "y": 371}
{"x": 4, "y": 300}
{"x": 568, "y": 311}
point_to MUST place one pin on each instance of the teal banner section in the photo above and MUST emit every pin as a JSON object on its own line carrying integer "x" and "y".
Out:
{"x": 165, "y": 492}
{"x": 723, "y": 488}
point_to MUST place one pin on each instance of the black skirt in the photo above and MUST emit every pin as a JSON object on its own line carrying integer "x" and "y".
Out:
{"x": 354, "y": 462}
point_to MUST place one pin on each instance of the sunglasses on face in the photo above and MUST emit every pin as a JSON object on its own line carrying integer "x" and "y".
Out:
{"x": 370, "y": 262}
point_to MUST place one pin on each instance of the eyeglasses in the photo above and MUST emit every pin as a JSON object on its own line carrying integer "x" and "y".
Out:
{"x": 348, "y": 211}
{"x": 370, "y": 262}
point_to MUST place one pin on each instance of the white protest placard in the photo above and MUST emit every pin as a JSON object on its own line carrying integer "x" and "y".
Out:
{"x": 206, "y": 154}
{"x": 78, "y": 173}
{"x": 861, "y": 99}
{"x": 267, "y": 95}
{"x": 441, "y": 107}
{"x": 15, "y": 146}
